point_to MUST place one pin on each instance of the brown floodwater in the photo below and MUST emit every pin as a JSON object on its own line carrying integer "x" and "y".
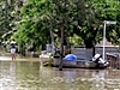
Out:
{"x": 29, "y": 75}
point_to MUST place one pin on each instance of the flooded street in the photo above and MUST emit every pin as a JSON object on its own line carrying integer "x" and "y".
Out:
{"x": 29, "y": 75}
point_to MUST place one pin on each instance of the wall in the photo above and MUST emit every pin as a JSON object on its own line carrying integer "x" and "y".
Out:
{"x": 81, "y": 52}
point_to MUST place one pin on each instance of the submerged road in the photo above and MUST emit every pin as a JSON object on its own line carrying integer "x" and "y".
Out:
{"x": 22, "y": 75}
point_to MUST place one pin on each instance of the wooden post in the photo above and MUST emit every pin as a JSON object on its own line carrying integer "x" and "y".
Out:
{"x": 61, "y": 49}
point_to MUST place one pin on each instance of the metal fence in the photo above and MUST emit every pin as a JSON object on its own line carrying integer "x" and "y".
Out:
{"x": 114, "y": 60}
{"x": 112, "y": 55}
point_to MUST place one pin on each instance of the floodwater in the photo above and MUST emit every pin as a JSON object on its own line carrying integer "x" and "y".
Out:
{"x": 30, "y": 75}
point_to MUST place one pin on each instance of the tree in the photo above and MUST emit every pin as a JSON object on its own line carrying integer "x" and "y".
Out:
{"x": 82, "y": 17}
{"x": 34, "y": 25}
{"x": 9, "y": 16}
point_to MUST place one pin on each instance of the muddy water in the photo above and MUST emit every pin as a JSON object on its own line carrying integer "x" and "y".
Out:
{"x": 28, "y": 75}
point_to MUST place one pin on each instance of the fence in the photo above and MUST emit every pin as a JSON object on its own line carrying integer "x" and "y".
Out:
{"x": 112, "y": 54}
{"x": 114, "y": 60}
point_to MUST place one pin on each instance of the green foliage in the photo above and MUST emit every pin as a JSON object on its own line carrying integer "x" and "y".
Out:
{"x": 9, "y": 17}
{"x": 96, "y": 12}
{"x": 81, "y": 17}
{"x": 76, "y": 40}
{"x": 33, "y": 27}
{"x": 111, "y": 12}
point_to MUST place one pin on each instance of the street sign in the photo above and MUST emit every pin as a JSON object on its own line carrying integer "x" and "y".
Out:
{"x": 104, "y": 35}
{"x": 110, "y": 22}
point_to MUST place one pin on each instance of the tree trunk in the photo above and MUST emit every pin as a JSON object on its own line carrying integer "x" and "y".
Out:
{"x": 52, "y": 37}
{"x": 61, "y": 48}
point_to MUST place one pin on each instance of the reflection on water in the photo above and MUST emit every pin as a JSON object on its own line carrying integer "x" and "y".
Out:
{"x": 24, "y": 75}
